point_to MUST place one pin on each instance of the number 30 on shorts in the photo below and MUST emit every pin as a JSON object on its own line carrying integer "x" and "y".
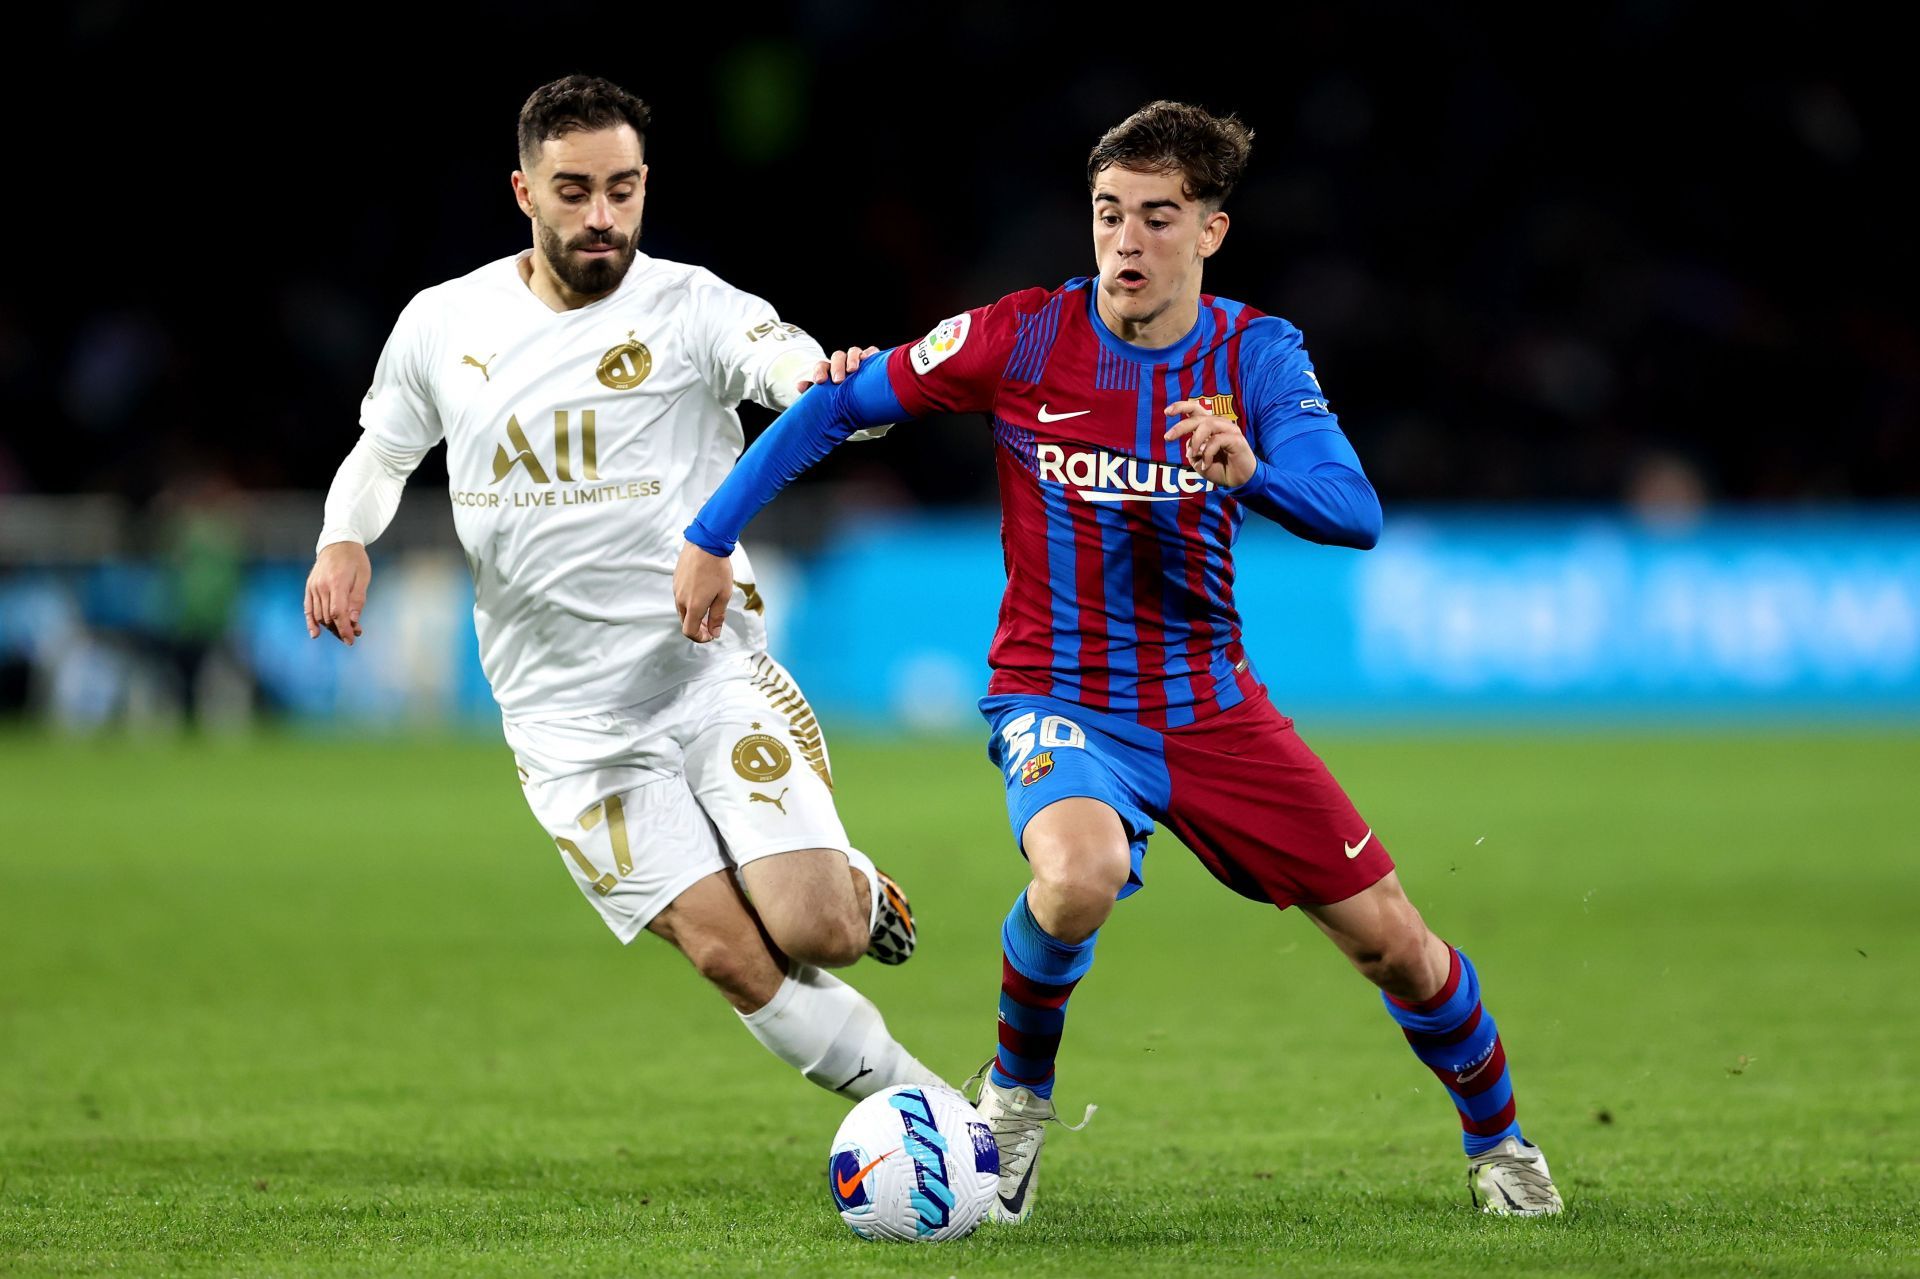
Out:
{"x": 1056, "y": 731}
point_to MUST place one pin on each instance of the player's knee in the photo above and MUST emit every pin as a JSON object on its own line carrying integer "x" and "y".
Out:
{"x": 1082, "y": 883}
{"x": 826, "y": 940}
{"x": 1396, "y": 960}
{"x": 723, "y": 961}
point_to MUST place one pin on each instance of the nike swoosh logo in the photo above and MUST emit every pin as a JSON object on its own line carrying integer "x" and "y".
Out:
{"x": 1060, "y": 417}
{"x": 846, "y": 1187}
{"x": 1353, "y": 850}
{"x": 1020, "y": 1196}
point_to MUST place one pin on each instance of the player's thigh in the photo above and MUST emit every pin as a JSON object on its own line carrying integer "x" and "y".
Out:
{"x": 806, "y": 900}
{"x": 1263, "y": 812}
{"x": 757, "y": 762}
{"x": 632, "y": 838}
{"x": 1070, "y": 800}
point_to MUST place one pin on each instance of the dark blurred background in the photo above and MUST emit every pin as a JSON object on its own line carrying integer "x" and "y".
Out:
{"x": 1650, "y": 259}
{"x": 1540, "y": 258}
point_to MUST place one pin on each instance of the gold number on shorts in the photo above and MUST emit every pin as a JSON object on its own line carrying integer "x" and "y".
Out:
{"x": 616, "y": 815}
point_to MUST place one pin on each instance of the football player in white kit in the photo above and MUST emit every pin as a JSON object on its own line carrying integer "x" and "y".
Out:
{"x": 586, "y": 393}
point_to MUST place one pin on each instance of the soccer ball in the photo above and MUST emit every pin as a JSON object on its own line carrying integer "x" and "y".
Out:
{"x": 913, "y": 1164}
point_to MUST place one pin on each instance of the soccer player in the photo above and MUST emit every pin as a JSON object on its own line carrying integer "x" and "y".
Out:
{"x": 587, "y": 396}
{"x": 1136, "y": 422}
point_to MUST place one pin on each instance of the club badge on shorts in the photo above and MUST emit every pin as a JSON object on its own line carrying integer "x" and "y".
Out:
{"x": 760, "y": 758}
{"x": 1036, "y": 768}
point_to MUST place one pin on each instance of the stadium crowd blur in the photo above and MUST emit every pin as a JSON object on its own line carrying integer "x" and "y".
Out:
{"x": 1632, "y": 257}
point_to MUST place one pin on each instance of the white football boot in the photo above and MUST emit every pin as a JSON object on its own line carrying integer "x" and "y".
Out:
{"x": 1018, "y": 1120}
{"x": 1512, "y": 1180}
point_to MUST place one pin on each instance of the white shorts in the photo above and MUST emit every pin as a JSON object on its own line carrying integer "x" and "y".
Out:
{"x": 709, "y": 776}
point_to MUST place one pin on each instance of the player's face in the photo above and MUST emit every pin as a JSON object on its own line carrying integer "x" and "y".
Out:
{"x": 1149, "y": 239}
{"x": 584, "y": 193}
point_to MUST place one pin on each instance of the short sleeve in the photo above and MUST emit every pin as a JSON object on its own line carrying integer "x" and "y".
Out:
{"x": 1283, "y": 392}
{"x": 399, "y": 410}
{"x": 739, "y": 338}
{"x": 958, "y": 367}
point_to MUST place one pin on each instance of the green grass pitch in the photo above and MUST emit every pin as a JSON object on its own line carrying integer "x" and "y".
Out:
{"x": 332, "y": 1007}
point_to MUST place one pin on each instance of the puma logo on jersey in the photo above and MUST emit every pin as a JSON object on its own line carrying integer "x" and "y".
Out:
{"x": 1100, "y": 476}
{"x": 757, "y": 797}
{"x": 481, "y": 365}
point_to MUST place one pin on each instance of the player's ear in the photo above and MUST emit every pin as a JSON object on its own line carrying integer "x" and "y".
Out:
{"x": 522, "y": 192}
{"x": 1212, "y": 232}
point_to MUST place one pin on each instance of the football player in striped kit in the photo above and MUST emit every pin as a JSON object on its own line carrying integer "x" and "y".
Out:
{"x": 586, "y": 393}
{"x": 1137, "y": 420}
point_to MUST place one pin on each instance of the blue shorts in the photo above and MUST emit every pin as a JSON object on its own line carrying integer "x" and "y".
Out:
{"x": 1239, "y": 789}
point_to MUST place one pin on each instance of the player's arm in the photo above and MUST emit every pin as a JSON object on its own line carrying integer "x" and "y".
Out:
{"x": 956, "y": 368}
{"x": 1310, "y": 484}
{"x": 1298, "y": 469}
{"x": 399, "y": 424}
{"x": 360, "y": 504}
{"x": 817, "y": 423}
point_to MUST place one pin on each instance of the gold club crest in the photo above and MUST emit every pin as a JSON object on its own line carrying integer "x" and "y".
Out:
{"x": 1036, "y": 768}
{"x": 625, "y": 366}
{"x": 1219, "y": 406}
{"x": 760, "y": 758}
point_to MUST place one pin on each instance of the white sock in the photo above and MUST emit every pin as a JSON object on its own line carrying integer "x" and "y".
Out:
{"x": 832, "y": 1034}
{"x": 864, "y": 864}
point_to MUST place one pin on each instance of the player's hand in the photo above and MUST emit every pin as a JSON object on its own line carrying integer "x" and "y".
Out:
{"x": 702, "y": 585}
{"x": 839, "y": 367}
{"x": 1216, "y": 448}
{"x": 337, "y": 591}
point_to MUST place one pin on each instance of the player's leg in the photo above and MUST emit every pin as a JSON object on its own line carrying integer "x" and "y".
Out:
{"x": 644, "y": 853}
{"x": 1432, "y": 991}
{"x": 1265, "y": 815}
{"x": 1083, "y": 834}
{"x": 757, "y": 760}
{"x": 816, "y": 1023}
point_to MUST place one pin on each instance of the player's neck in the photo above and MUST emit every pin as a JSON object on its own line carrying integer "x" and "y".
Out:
{"x": 1165, "y": 327}
{"x": 546, "y": 286}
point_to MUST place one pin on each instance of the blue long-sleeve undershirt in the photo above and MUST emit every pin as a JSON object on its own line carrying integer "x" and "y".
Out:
{"x": 1312, "y": 485}
{"x": 818, "y": 421}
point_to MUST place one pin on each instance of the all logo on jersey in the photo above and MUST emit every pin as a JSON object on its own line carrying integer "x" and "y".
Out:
{"x": 948, "y": 336}
{"x": 524, "y": 455}
{"x": 481, "y": 365}
{"x": 1100, "y": 476}
{"x": 1036, "y": 768}
{"x": 625, "y": 366}
{"x": 760, "y": 758}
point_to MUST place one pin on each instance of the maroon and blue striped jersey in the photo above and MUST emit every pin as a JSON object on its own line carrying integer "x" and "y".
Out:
{"x": 1119, "y": 558}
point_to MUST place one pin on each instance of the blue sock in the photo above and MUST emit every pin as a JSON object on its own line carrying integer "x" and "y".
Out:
{"x": 1458, "y": 1041}
{"x": 1037, "y": 973}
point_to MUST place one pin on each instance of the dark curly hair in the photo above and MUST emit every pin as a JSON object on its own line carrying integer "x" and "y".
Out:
{"x": 578, "y": 102}
{"x": 1208, "y": 151}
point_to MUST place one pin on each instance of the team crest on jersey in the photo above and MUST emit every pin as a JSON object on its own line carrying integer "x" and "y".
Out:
{"x": 625, "y": 366}
{"x": 1218, "y": 406}
{"x": 947, "y": 337}
{"x": 1036, "y": 768}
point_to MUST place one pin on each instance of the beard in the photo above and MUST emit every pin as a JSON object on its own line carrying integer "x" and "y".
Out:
{"x": 589, "y": 277}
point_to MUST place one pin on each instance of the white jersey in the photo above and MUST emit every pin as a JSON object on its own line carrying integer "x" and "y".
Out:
{"x": 579, "y": 445}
